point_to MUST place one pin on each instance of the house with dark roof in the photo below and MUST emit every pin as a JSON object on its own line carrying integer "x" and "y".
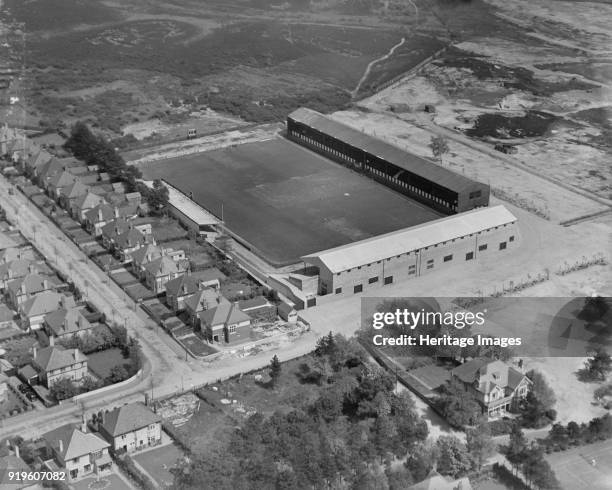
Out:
{"x": 225, "y": 323}
{"x": 54, "y": 363}
{"x": 496, "y": 386}
{"x": 57, "y": 182}
{"x": 203, "y": 299}
{"x": 10, "y": 254}
{"x": 181, "y": 288}
{"x": 77, "y": 451}
{"x": 143, "y": 256}
{"x": 104, "y": 213}
{"x": 32, "y": 311}
{"x": 13, "y": 461}
{"x": 131, "y": 427}
{"x": 23, "y": 288}
{"x": 158, "y": 272}
{"x": 66, "y": 322}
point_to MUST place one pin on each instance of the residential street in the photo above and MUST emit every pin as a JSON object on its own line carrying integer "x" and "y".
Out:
{"x": 165, "y": 372}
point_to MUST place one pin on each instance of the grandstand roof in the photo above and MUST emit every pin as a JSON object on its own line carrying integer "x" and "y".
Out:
{"x": 402, "y": 159}
{"x": 399, "y": 242}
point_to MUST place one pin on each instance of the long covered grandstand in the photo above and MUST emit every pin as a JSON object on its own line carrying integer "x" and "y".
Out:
{"x": 416, "y": 177}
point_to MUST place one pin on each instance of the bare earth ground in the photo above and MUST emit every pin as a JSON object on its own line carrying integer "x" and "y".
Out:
{"x": 568, "y": 50}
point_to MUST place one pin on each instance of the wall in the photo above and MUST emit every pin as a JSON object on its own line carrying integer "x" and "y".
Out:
{"x": 415, "y": 263}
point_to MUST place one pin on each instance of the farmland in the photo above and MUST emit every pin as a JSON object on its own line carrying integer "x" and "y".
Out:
{"x": 287, "y": 201}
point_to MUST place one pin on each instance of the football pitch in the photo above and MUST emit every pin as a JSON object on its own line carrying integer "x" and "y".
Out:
{"x": 287, "y": 201}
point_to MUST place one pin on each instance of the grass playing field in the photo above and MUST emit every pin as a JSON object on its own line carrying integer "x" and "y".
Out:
{"x": 288, "y": 201}
{"x": 575, "y": 469}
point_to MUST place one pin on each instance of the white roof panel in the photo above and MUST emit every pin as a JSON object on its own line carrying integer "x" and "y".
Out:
{"x": 410, "y": 239}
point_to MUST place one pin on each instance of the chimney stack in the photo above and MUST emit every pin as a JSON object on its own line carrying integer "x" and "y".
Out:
{"x": 34, "y": 351}
{"x": 83, "y": 424}
{"x": 16, "y": 451}
{"x": 116, "y": 212}
{"x": 61, "y": 446}
{"x": 45, "y": 284}
{"x": 52, "y": 340}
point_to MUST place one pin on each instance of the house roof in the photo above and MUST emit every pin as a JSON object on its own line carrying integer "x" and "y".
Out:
{"x": 50, "y": 168}
{"x": 204, "y": 299}
{"x": 31, "y": 284}
{"x": 62, "y": 179}
{"x": 146, "y": 254}
{"x": 129, "y": 418}
{"x": 162, "y": 266}
{"x": 6, "y": 313}
{"x": 27, "y": 372}
{"x": 45, "y": 302}
{"x": 223, "y": 314}
{"x": 75, "y": 190}
{"x": 399, "y": 242}
{"x": 182, "y": 285}
{"x": 116, "y": 227}
{"x": 489, "y": 374}
{"x": 66, "y": 321}
{"x": 88, "y": 201}
{"x": 56, "y": 357}
{"x": 130, "y": 238}
{"x": 285, "y": 308}
{"x": 9, "y": 254}
{"x": 17, "y": 268}
{"x": 75, "y": 443}
{"x": 6, "y": 241}
{"x": 401, "y": 158}
{"x": 101, "y": 212}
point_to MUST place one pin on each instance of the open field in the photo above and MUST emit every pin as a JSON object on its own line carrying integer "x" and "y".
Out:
{"x": 287, "y": 201}
{"x": 575, "y": 471}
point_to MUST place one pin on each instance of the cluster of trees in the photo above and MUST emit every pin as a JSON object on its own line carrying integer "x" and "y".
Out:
{"x": 562, "y": 437}
{"x": 529, "y": 460}
{"x": 352, "y": 433}
{"x": 597, "y": 367}
{"x": 99, "y": 338}
{"x": 348, "y": 432}
{"x": 95, "y": 150}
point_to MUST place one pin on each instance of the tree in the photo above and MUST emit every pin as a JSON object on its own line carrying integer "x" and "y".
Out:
{"x": 157, "y": 198}
{"x": 116, "y": 375}
{"x": 63, "y": 389}
{"x": 537, "y": 407}
{"x": 458, "y": 406}
{"x": 453, "y": 459}
{"x": 90, "y": 384}
{"x": 275, "y": 370}
{"x": 517, "y": 446}
{"x": 479, "y": 444}
{"x": 599, "y": 366}
{"x": 439, "y": 147}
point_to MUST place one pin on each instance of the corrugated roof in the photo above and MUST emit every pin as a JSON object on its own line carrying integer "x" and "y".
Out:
{"x": 409, "y": 239}
{"x": 128, "y": 418}
{"x": 407, "y": 161}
